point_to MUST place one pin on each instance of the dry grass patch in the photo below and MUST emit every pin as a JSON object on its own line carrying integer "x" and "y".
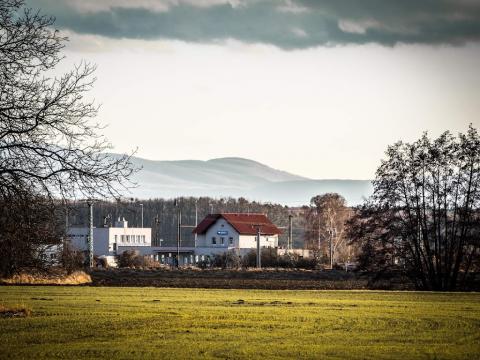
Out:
{"x": 14, "y": 311}
{"x": 75, "y": 278}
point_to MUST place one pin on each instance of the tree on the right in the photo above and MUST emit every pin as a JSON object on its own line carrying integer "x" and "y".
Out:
{"x": 424, "y": 214}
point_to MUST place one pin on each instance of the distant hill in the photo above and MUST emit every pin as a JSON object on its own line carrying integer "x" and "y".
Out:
{"x": 237, "y": 177}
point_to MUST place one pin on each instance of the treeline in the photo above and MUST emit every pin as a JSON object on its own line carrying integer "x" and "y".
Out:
{"x": 162, "y": 216}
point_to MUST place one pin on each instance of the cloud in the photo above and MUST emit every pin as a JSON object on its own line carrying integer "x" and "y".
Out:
{"x": 289, "y": 24}
{"x": 91, "y": 6}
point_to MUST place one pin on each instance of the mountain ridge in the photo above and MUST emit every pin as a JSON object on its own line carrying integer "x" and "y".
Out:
{"x": 237, "y": 177}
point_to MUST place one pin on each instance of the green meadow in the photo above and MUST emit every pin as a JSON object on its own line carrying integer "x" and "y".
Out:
{"x": 159, "y": 323}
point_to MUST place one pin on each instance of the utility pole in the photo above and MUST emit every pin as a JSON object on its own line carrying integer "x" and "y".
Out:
{"x": 179, "y": 229}
{"x": 259, "y": 255}
{"x": 157, "y": 222}
{"x": 196, "y": 221}
{"x": 90, "y": 233}
{"x": 141, "y": 205}
{"x": 290, "y": 232}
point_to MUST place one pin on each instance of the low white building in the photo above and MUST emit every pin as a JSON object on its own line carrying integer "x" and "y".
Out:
{"x": 236, "y": 232}
{"x": 111, "y": 241}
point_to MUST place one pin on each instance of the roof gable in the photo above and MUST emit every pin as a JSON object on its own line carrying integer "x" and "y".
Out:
{"x": 244, "y": 224}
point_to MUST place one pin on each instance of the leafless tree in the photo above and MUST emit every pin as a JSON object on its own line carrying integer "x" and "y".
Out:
{"x": 425, "y": 212}
{"x": 28, "y": 226}
{"x": 49, "y": 141}
{"x": 50, "y": 146}
{"x": 325, "y": 219}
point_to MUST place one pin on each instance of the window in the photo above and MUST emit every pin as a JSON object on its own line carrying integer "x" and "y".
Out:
{"x": 138, "y": 238}
{"x": 144, "y": 240}
{"x": 230, "y": 240}
{"x": 128, "y": 238}
{"x": 122, "y": 238}
{"x": 214, "y": 240}
{"x": 114, "y": 246}
{"x": 222, "y": 240}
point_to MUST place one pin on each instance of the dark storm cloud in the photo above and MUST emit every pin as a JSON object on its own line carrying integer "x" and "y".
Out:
{"x": 286, "y": 24}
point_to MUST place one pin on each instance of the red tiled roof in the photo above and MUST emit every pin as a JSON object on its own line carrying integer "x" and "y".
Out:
{"x": 244, "y": 224}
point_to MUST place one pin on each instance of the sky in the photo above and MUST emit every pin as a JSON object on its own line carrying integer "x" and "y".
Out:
{"x": 314, "y": 87}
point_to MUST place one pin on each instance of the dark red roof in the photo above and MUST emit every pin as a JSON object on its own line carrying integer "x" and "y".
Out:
{"x": 244, "y": 224}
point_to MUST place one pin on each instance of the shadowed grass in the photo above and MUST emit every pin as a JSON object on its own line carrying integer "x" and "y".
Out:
{"x": 137, "y": 323}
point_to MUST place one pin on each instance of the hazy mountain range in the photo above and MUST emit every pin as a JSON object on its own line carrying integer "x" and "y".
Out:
{"x": 237, "y": 177}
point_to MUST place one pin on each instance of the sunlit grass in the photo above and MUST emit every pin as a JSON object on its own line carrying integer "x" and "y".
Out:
{"x": 94, "y": 322}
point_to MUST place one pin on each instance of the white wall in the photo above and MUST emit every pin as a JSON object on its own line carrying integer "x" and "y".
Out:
{"x": 250, "y": 241}
{"x": 105, "y": 239}
{"x": 130, "y": 238}
{"x": 221, "y": 225}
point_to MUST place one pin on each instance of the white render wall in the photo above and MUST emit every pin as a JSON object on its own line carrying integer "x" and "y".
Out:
{"x": 250, "y": 241}
{"x": 112, "y": 241}
{"x": 205, "y": 241}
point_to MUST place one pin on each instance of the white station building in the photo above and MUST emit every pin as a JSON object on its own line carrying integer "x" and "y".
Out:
{"x": 216, "y": 234}
{"x": 111, "y": 241}
{"x": 236, "y": 232}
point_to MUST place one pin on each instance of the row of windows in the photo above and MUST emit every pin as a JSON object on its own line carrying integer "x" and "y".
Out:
{"x": 230, "y": 240}
{"x": 134, "y": 239}
{"x": 222, "y": 240}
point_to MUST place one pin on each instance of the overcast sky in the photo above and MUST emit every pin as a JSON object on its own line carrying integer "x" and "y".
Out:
{"x": 318, "y": 88}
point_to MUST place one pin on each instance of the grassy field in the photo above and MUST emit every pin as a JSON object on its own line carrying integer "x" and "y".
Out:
{"x": 138, "y": 323}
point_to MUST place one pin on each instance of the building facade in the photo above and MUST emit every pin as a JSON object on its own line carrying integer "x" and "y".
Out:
{"x": 112, "y": 241}
{"x": 215, "y": 234}
{"x": 236, "y": 232}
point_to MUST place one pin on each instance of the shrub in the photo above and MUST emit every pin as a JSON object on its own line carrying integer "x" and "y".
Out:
{"x": 130, "y": 259}
{"x": 71, "y": 260}
{"x": 101, "y": 262}
{"x": 270, "y": 258}
{"x": 227, "y": 260}
{"x": 306, "y": 263}
{"x": 249, "y": 259}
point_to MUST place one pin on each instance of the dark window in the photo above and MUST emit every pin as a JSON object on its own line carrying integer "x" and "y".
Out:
{"x": 230, "y": 240}
{"x": 214, "y": 240}
{"x": 222, "y": 240}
